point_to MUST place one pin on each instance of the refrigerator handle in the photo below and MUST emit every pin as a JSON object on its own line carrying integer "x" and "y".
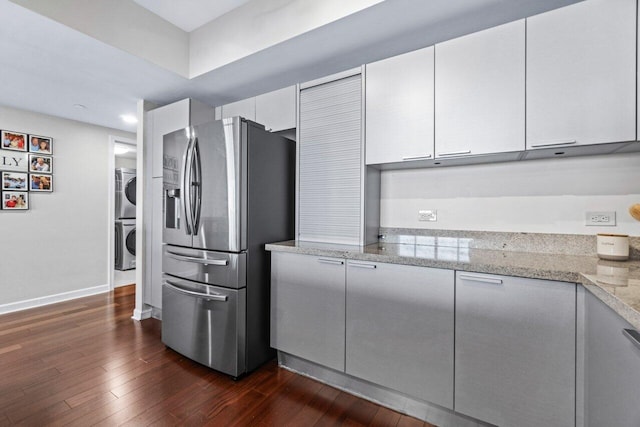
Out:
{"x": 196, "y": 182}
{"x": 186, "y": 187}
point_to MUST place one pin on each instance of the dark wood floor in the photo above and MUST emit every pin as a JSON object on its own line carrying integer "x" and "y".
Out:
{"x": 85, "y": 362}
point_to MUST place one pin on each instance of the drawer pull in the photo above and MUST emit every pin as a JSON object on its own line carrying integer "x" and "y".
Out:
{"x": 633, "y": 335}
{"x": 330, "y": 261}
{"x": 554, "y": 144}
{"x": 183, "y": 257}
{"x": 454, "y": 153}
{"x": 423, "y": 157}
{"x": 211, "y": 297}
{"x": 357, "y": 265}
{"x": 483, "y": 279}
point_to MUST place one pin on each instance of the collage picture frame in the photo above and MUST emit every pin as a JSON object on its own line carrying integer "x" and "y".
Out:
{"x": 26, "y": 167}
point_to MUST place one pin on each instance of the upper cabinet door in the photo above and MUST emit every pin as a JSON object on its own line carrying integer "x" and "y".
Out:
{"x": 581, "y": 74}
{"x": 277, "y": 110}
{"x": 399, "y": 108}
{"x": 245, "y": 108}
{"x": 480, "y": 92}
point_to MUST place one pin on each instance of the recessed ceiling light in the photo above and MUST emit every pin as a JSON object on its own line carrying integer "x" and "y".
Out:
{"x": 80, "y": 106}
{"x": 128, "y": 118}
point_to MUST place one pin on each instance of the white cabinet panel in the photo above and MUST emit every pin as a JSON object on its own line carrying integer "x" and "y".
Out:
{"x": 245, "y": 108}
{"x": 480, "y": 92}
{"x": 581, "y": 74}
{"x": 277, "y": 110}
{"x": 307, "y": 307}
{"x": 399, "y": 108}
{"x": 515, "y": 350}
{"x": 156, "y": 243}
{"x": 165, "y": 120}
{"x": 613, "y": 369}
{"x": 400, "y": 322}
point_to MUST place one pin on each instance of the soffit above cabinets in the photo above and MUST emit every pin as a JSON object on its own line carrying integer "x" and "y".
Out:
{"x": 71, "y": 55}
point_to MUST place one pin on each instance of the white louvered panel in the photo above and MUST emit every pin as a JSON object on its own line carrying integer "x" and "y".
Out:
{"x": 330, "y": 162}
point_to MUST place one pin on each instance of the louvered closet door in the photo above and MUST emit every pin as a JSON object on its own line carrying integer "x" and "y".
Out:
{"x": 330, "y": 162}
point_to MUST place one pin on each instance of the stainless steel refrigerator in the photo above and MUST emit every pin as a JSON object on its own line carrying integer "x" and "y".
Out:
{"x": 229, "y": 188}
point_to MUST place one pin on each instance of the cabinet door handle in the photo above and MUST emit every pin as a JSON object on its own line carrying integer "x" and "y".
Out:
{"x": 454, "y": 153}
{"x": 423, "y": 157}
{"x": 330, "y": 261}
{"x": 554, "y": 144}
{"x": 633, "y": 335}
{"x": 483, "y": 279}
{"x": 358, "y": 265}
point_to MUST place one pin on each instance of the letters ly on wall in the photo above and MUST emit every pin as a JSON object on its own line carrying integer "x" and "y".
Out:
{"x": 26, "y": 166}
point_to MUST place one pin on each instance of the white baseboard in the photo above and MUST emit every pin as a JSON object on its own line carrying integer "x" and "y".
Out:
{"x": 141, "y": 314}
{"x": 52, "y": 299}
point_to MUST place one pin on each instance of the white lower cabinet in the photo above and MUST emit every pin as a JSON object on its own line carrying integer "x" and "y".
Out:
{"x": 400, "y": 322}
{"x": 499, "y": 349}
{"x": 308, "y": 306}
{"x": 612, "y": 389}
{"x": 515, "y": 350}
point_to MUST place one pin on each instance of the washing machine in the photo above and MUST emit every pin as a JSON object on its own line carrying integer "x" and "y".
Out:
{"x": 125, "y": 193}
{"x": 125, "y": 244}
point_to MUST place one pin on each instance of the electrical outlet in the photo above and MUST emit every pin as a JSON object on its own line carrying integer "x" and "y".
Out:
{"x": 600, "y": 218}
{"x": 428, "y": 215}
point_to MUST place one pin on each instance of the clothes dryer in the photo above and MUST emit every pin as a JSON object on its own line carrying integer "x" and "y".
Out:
{"x": 125, "y": 258}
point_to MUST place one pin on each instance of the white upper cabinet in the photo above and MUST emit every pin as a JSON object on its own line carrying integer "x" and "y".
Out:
{"x": 245, "y": 108}
{"x": 399, "y": 108}
{"x": 581, "y": 74}
{"x": 480, "y": 92}
{"x": 277, "y": 110}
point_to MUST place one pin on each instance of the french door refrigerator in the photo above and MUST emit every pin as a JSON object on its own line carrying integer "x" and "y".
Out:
{"x": 229, "y": 188}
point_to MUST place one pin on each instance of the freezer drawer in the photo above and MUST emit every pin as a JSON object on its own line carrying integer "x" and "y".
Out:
{"x": 205, "y": 323}
{"x": 213, "y": 268}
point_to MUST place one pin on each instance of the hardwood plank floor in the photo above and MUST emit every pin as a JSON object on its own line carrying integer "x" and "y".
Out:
{"x": 86, "y": 362}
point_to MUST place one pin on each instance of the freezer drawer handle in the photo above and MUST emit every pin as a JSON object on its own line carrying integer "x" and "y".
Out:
{"x": 633, "y": 335}
{"x": 483, "y": 279}
{"x": 553, "y": 144}
{"x": 330, "y": 261}
{"x": 211, "y": 297}
{"x": 357, "y": 265}
{"x": 204, "y": 261}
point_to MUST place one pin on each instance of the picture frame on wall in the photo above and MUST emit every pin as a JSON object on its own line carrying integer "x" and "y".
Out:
{"x": 15, "y": 141}
{"x": 40, "y": 183}
{"x": 14, "y": 181}
{"x": 40, "y": 144}
{"x": 40, "y": 163}
{"x": 15, "y": 200}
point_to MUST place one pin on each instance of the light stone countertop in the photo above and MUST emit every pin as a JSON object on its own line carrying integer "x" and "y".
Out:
{"x": 615, "y": 283}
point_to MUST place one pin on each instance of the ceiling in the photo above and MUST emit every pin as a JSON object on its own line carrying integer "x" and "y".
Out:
{"x": 49, "y": 68}
{"x": 190, "y": 14}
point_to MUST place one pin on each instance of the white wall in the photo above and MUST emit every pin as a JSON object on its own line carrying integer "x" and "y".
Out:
{"x": 60, "y": 244}
{"x": 125, "y": 162}
{"x": 258, "y": 25}
{"x": 123, "y": 24}
{"x": 542, "y": 196}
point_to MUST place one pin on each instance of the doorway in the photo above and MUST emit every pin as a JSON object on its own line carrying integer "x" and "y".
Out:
{"x": 121, "y": 218}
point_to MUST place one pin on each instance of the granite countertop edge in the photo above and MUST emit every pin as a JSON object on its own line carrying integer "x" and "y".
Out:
{"x": 584, "y": 278}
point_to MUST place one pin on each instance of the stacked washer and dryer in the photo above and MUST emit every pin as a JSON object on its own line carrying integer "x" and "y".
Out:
{"x": 125, "y": 257}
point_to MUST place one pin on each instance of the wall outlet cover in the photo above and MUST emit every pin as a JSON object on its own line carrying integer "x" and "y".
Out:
{"x": 607, "y": 219}
{"x": 428, "y": 215}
